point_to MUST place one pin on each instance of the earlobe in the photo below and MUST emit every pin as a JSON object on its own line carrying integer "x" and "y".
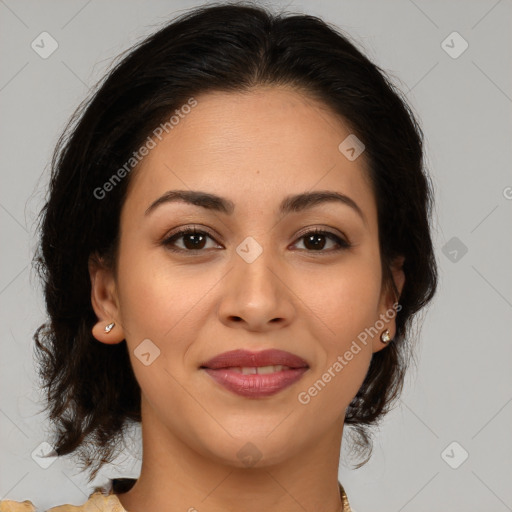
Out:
{"x": 108, "y": 332}
{"x": 383, "y": 339}
{"x": 104, "y": 303}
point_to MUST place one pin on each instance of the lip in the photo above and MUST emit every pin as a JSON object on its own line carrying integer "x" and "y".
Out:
{"x": 255, "y": 386}
{"x": 223, "y": 369}
{"x": 235, "y": 358}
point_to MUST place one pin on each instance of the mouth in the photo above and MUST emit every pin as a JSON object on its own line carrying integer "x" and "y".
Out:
{"x": 247, "y": 359}
{"x": 259, "y": 370}
{"x": 255, "y": 374}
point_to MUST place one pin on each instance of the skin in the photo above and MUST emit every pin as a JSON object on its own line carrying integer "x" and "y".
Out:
{"x": 254, "y": 149}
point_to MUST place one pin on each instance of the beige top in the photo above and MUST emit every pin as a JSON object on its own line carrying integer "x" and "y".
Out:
{"x": 102, "y": 501}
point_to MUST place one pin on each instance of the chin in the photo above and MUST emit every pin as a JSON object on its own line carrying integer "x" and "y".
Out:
{"x": 253, "y": 451}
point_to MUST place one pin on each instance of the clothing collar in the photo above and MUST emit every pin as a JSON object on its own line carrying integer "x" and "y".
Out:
{"x": 122, "y": 485}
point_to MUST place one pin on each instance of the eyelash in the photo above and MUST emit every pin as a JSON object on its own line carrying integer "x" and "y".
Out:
{"x": 167, "y": 242}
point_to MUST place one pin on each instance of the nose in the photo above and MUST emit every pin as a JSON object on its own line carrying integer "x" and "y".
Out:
{"x": 257, "y": 296}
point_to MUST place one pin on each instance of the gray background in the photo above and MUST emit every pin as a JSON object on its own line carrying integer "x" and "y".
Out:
{"x": 461, "y": 390}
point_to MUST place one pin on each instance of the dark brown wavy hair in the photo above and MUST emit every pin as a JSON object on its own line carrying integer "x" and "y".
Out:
{"x": 91, "y": 392}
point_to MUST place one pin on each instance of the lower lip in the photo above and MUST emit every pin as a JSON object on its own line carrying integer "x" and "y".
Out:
{"x": 255, "y": 386}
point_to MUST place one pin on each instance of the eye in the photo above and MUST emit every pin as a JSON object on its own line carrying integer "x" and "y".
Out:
{"x": 314, "y": 241}
{"x": 196, "y": 240}
{"x": 193, "y": 240}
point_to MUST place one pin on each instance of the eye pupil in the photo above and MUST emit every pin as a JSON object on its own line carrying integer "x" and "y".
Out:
{"x": 196, "y": 242}
{"x": 314, "y": 239}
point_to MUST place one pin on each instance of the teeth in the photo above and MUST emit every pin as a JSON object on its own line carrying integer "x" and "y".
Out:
{"x": 260, "y": 370}
{"x": 269, "y": 369}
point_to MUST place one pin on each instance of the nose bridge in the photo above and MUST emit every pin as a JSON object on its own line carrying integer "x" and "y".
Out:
{"x": 253, "y": 263}
{"x": 254, "y": 290}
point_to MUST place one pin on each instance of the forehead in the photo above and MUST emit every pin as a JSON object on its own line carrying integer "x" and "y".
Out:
{"x": 253, "y": 147}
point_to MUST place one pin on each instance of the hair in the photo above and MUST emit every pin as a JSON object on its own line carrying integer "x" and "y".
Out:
{"x": 92, "y": 395}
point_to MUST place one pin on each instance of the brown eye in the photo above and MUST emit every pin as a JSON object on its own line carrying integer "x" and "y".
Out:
{"x": 193, "y": 240}
{"x": 196, "y": 240}
{"x": 315, "y": 241}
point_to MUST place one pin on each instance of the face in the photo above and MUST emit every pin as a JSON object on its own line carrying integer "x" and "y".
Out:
{"x": 252, "y": 277}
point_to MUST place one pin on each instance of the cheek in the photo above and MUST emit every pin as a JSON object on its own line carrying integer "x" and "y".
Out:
{"x": 345, "y": 308}
{"x": 344, "y": 305}
{"x": 345, "y": 299}
{"x": 159, "y": 300}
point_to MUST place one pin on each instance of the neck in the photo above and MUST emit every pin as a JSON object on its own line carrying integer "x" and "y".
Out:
{"x": 176, "y": 477}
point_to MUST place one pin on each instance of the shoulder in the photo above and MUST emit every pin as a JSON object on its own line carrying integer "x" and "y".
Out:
{"x": 16, "y": 506}
{"x": 97, "y": 501}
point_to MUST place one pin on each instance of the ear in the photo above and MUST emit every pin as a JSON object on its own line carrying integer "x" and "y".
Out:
{"x": 104, "y": 301}
{"x": 389, "y": 302}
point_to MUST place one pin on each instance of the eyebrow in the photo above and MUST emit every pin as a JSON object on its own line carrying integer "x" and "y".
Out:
{"x": 290, "y": 204}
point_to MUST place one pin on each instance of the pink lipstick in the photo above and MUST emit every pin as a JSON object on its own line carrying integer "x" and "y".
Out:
{"x": 255, "y": 374}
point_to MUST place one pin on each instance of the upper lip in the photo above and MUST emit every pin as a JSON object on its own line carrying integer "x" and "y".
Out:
{"x": 245, "y": 358}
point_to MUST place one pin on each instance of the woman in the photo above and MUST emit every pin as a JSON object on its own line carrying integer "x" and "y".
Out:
{"x": 234, "y": 247}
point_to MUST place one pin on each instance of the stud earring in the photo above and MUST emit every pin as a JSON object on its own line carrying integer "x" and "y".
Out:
{"x": 109, "y": 327}
{"x": 385, "y": 337}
